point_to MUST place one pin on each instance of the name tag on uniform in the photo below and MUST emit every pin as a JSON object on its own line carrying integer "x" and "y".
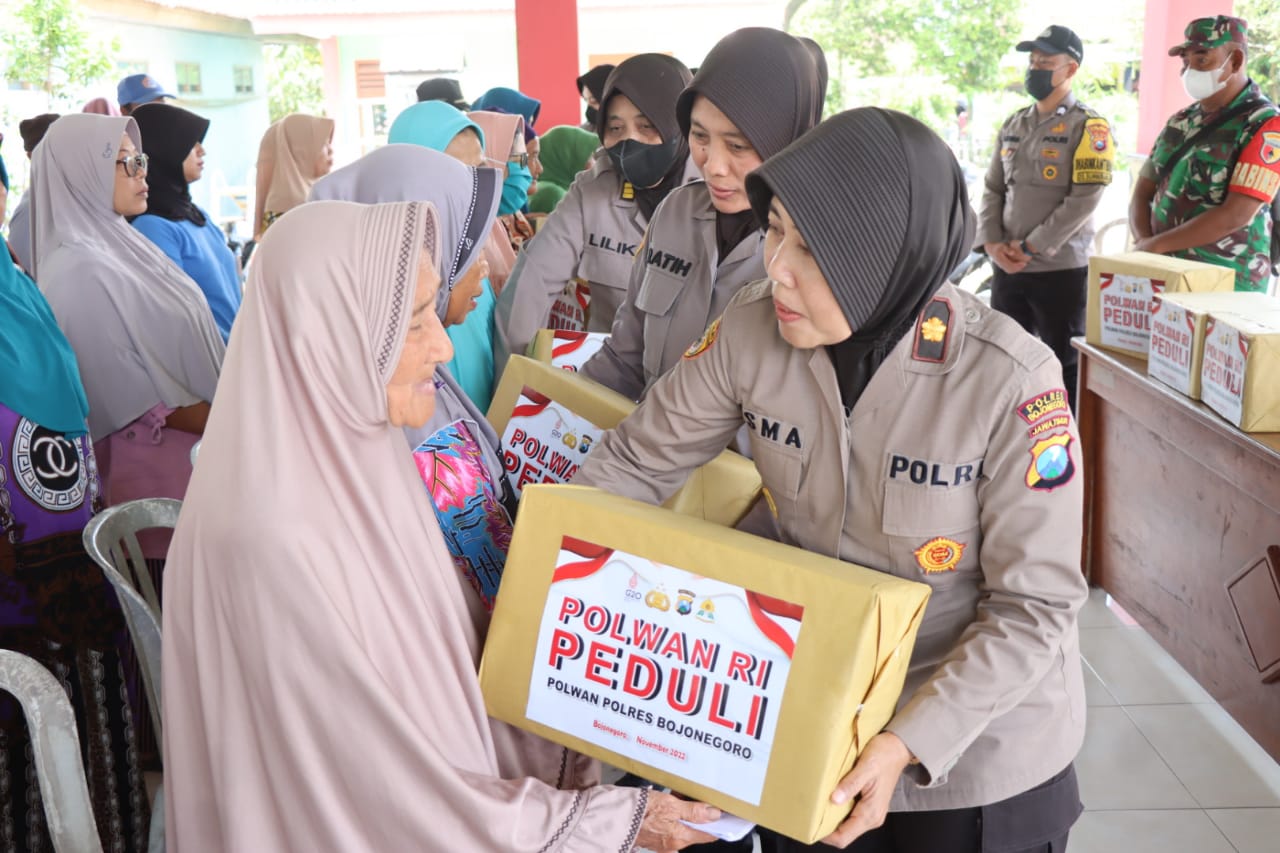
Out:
{"x": 924, "y": 472}
{"x": 774, "y": 429}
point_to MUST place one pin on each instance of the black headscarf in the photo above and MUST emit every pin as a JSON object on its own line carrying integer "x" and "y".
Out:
{"x": 168, "y": 135}
{"x": 886, "y": 254}
{"x": 593, "y": 81}
{"x": 769, "y": 85}
{"x": 33, "y": 130}
{"x": 653, "y": 82}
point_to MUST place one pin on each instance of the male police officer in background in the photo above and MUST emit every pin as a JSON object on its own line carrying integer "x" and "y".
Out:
{"x": 1047, "y": 175}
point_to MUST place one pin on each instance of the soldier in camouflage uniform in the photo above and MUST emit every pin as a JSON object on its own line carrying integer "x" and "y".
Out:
{"x": 1213, "y": 201}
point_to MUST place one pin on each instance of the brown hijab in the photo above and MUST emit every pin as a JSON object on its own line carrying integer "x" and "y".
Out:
{"x": 286, "y": 164}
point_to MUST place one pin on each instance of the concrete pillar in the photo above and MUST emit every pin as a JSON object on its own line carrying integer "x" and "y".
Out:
{"x": 547, "y": 53}
{"x": 1160, "y": 92}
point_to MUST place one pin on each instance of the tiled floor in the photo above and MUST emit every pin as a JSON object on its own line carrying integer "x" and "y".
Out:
{"x": 1163, "y": 767}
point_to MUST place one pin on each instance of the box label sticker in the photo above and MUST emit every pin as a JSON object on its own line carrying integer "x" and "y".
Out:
{"x": 1172, "y": 345}
{"x": 669, "y": 668}
{"x": 1125, "y": 310}
{"x": 544, "y": 442}
{"x": 570, "y": 350}
{"x": 1222, "y": 374}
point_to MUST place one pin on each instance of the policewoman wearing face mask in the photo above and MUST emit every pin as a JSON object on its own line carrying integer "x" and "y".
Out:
{"x": 1206, "y": 192}
{"x": 1046, "y": 178}
{"x": 593, "y": 233}
{"x": 757, "y": 90}
{"x": 850, "y": 366}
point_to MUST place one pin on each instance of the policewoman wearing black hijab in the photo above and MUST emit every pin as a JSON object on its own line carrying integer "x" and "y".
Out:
{"x": 757, "y": 91}
{"x": 595, "y": 229}
{"x": 900, "y": 424}
{"x": 173, "y": 141}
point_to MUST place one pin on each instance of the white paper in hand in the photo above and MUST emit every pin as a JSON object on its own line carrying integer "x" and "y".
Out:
{"x": 727, "y": 828}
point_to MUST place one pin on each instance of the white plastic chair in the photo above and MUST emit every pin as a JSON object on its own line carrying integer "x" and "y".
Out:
{"x": 56, "y": 747}
{"x": 111, "y": 538}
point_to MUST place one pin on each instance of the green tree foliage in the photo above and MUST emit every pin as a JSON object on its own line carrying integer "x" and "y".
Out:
{"x": 295, "y": 73}
{"x": 954, "y": 45}
{"x": 48, "y": 46}
{"x": 1264, "y": 28}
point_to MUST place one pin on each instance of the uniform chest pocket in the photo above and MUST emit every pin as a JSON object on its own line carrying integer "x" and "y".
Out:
{"x": 610, "y": 269}
{"x": 938, "y": 531}
{"x": 658, "y": 292}
{"x": 780, "y": 468}
{"x": 1052, "y": 167}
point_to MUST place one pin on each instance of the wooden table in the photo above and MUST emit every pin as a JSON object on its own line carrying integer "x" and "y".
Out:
{"x": 1177, "y": 503}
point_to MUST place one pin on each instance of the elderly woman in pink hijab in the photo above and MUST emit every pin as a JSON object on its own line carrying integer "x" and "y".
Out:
{"x": 320, "y": 688}
{"x": 295, "y": 152}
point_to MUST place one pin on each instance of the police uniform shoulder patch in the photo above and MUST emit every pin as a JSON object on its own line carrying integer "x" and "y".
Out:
{"x": 1051, "y": 463}
{"x": 933, "y": 331}
{"x": 704, "y": 343}
{"x": 1095, "y": 155}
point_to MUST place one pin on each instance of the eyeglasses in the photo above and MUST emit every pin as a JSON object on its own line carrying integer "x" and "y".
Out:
{"x": 135, "y": 165}
{"x": 521, "y": 160}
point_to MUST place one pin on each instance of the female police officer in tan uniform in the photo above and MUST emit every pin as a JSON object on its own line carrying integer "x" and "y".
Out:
{"x": 756, "y": 91}
{"x": 594, "y": 231}
{"x": 900, "y": 424}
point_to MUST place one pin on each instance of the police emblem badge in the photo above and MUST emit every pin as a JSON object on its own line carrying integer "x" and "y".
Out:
{"x": 939, "y": 554}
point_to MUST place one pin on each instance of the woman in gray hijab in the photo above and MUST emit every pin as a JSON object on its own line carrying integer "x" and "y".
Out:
{"x": 900, "y": 424}
{"x": 148, "y": 348}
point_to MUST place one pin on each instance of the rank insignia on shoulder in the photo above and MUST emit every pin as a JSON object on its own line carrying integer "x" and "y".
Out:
{"x": 628, "y": 191}
{"x": 932, "y": 332}
{"x": 704, "y": 343}
{"x": 1051, "y": 463}
{"x": 939, "y": 554}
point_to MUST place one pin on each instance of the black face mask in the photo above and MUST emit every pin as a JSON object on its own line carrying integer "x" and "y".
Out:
{"x": 1040, "y": 83}
{"x": 641, "y": 164}
{"x": 592, "y": 114}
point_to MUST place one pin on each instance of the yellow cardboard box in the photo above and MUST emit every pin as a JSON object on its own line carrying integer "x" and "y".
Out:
{"x": 565, "y": 349}
{"x": 734, "y": 669}
{"x": 547, "y": 419}
{"x": 1118, "y": 315}
{"x": 1240, "y": 375}
{"x": 1177, "y": 332}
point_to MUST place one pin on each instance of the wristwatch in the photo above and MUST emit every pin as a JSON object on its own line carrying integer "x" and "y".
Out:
{"x": 1023, "y": 246}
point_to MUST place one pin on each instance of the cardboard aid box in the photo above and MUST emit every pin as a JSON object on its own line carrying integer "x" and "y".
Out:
{"x": 1240, "y": 375}
{"x": 737, "y": 670}
{"x": 1118, "y": 315}
{"x": 548, "y": 419}
{"x": 1177, "y": 333}
{"x": 565, "y": 349}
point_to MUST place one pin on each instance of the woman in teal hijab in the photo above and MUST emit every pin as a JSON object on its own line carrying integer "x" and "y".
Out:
{"x": 55, "y": 605}
{"x": 509, "y": 101}
{"x": 566, "y": 151}
{"x": 441, "y": 127}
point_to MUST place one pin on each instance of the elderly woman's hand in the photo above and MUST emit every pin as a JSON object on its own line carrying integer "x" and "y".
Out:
{"x": 662, "y": 830}
{"x": 872, "y": 780}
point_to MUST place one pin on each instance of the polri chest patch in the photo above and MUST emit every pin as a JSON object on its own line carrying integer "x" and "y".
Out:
{"x": 925, "y": 472}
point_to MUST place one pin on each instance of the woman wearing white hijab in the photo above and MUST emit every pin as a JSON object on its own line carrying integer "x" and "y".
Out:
{"x": 146, "y": 342}
{"x": 319, "y": 663}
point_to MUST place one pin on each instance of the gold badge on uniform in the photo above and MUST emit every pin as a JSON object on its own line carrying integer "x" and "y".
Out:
{"x": 704, "y": 343}
{"x": 1050, "y": 153}
{"x": 939, "y": 554}
{"x": 1060, "y": 127}
{"x": 628, "y": 191}
{"x": 933, "y": 330}
{"x": 1050, "y": 172}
